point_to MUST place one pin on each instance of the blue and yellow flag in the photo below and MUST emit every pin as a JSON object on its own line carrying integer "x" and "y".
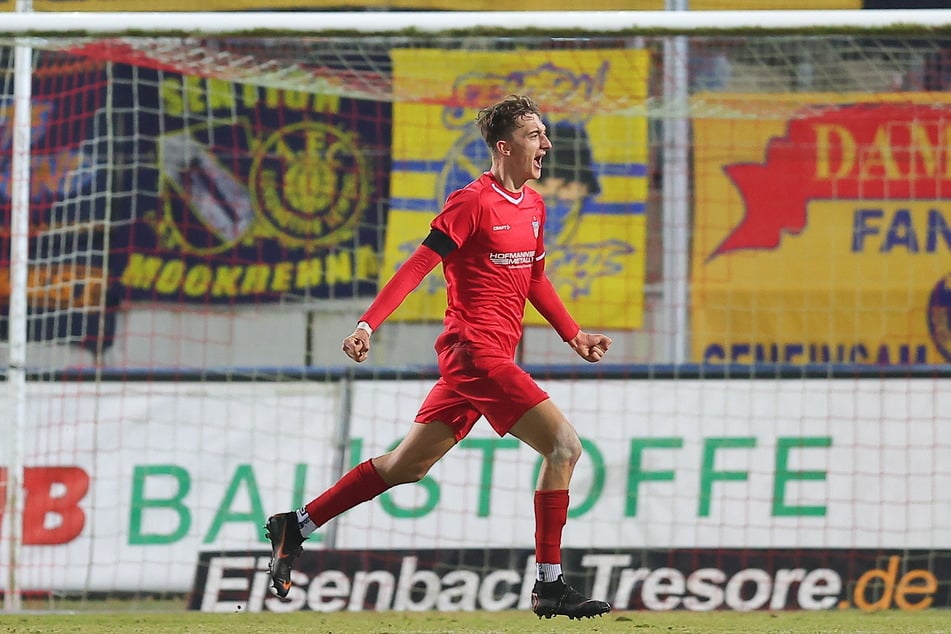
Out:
{"x": 594, "y": 180}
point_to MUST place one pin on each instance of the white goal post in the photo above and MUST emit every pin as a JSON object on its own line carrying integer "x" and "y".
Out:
{"x": 544, "y": 22}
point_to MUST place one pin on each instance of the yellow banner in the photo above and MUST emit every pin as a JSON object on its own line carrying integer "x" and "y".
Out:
{"x": 594, "y": 181}
{"x": 823, "y": 229}
{"x": 450, "y": 5}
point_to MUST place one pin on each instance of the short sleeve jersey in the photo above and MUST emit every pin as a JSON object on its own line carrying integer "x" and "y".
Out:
{"x": 499, "y": 236}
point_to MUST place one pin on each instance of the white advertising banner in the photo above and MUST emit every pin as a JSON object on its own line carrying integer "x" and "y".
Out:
{"x": 128, "y": 483}
{"x": 689, "y": 464}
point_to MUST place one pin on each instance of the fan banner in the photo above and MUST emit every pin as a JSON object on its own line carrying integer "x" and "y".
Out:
{"x": 417, "y": 5}
{"x": 254, "y": 193}
{"x": 66, "y": 282}
{"x": 822, "y": 230}
{"x": 595, "y": 187}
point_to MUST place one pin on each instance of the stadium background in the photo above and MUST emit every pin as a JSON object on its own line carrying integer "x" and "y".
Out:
{"x": 138, "y": 330}
{"x": 162, "y": 319}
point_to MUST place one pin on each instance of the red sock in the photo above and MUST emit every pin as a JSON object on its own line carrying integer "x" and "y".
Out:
{"x": 358, "y": 485}
{"x": 551, "y": 513}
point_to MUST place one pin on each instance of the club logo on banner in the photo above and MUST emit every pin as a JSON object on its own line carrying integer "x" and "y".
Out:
{"x": 259, "y": 194}
{"x": 595, "y": 188}
{"x": 822, "y": 231}
{"x": 67, "y": 290}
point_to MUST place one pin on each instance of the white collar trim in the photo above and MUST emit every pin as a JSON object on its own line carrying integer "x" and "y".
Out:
{"x": 507, "y": 196}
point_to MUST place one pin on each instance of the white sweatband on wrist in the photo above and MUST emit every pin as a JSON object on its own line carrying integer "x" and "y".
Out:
{"x": 362, "y": 325}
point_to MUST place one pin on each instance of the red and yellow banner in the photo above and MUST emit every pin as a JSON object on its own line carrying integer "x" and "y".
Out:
{"x": 823, "y": 229}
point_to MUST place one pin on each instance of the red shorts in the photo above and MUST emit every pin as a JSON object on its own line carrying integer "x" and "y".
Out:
{"x": 477, "y": 382}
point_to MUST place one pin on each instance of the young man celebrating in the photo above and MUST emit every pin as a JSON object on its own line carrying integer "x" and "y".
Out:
{"x": 490, "y": 240}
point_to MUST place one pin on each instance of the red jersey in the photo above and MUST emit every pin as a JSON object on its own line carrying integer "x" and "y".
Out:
{"x": 499, "y": 235}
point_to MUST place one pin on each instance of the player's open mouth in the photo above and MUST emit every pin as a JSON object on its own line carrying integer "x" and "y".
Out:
{"x": 538, "y": 161}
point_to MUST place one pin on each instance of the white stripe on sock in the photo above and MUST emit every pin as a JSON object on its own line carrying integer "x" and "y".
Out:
{"x": 304, "y": 523}
{"x": 548, "y": 572}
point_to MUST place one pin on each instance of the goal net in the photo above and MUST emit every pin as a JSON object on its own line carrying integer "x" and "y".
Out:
{"x": 755, "y": 214}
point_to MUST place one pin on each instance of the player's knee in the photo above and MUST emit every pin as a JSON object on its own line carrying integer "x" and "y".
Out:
{"x": 566, "y": 452}
{"x": 575, "y": 450}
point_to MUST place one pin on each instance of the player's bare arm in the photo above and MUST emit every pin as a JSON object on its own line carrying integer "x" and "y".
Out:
{"x": 590, "y": 346}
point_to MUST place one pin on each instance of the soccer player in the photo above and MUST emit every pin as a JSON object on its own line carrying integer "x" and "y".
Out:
{"x": 490, "y": 240}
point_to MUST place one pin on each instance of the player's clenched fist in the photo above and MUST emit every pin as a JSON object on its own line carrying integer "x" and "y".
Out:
{"x": 590, "y": 347}
{"x": 357, "y": 345}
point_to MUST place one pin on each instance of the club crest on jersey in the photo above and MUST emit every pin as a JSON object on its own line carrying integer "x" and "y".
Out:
{"x": 535, "y": 225}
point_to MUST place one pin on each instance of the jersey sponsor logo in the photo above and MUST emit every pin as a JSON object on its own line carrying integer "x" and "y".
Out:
{"x": 515, "y": 259}
{"x": 501, "y": 227}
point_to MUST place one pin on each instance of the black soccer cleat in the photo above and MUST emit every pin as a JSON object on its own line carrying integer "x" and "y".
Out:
{"x": 557, "y": 597}
{"x": 286, "y": 542}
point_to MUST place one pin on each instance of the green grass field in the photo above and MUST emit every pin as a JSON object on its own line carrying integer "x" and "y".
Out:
{"x": 146, "y": 622}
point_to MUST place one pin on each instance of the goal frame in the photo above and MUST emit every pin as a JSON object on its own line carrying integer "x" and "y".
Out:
{"x": 761, "y": 22}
